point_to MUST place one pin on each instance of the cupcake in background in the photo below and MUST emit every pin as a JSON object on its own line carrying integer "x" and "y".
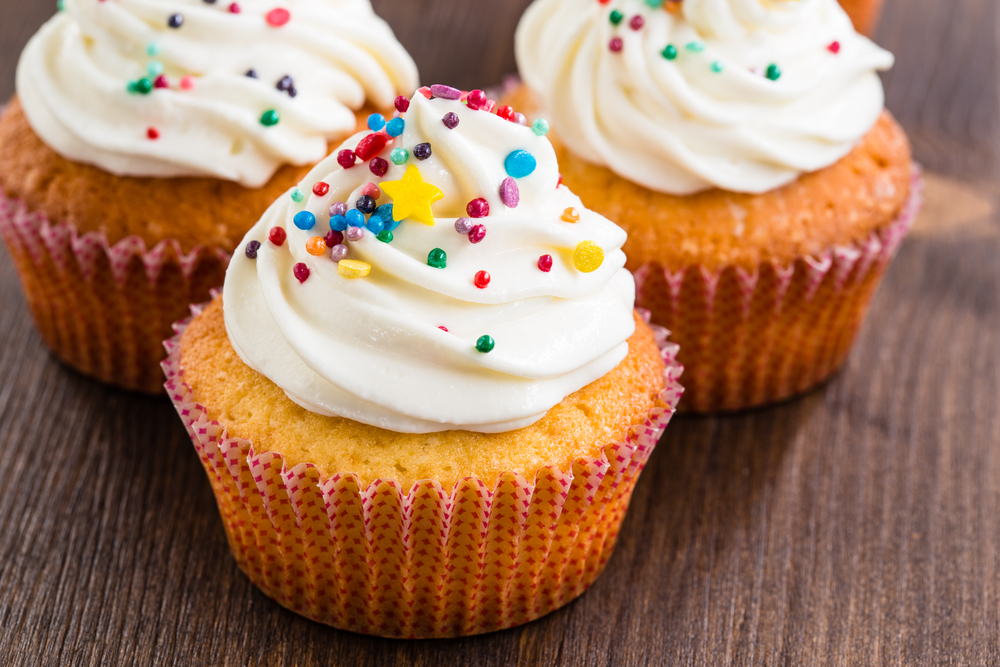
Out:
{"x": 147, "y": 137}
{"x": 744, "y": 147}
{"x": 864, "y": 14}
{"x": 424, "y": 398}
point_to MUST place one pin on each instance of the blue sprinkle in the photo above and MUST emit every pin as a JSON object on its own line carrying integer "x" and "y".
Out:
{"x": 520, "y": 164}
{"x": 304, "y": 220}
{"x": 395, "y": 127}
{"x": 338, "y": 223}
{"x": 376, "y": 122}
{"x": 375, "y": 224}
{"x": 385, "y": 213}
{"x": 355, "y": 218}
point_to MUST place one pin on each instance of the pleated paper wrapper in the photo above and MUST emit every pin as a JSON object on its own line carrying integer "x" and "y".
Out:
{"x": 749, "y": 339}
{"x": 106, "y": 309}
{"x": 488, "y": 555}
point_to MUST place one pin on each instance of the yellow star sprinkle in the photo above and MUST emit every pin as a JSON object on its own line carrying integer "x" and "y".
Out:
{"x": 411, "y": 197}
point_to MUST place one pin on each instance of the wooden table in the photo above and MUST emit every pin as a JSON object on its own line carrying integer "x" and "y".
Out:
{"x": 858, "y": 525}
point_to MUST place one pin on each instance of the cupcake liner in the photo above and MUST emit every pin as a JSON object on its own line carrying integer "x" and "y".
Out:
{"x": 488, "y": 555}
{"x": 105, "y": 309}
{"x": 748, "y": 339}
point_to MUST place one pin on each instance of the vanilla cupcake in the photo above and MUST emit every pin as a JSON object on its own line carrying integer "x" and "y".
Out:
{"x": 147, "y": 136}
{"x": 744, "y": 147}
{"x": 431, "y": 371}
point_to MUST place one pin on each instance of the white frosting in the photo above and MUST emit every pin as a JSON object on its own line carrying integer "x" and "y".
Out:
{"x": 369, "y": 349}
{"x": 678, "y": 126}
{"x": 73, "y": 76}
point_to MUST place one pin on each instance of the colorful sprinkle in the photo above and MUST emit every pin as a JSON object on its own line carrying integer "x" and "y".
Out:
{"x": 385, "y": 236}
{"x": 320, "y": 189}
{"x": 304, "y": 220}
{"x": 520, "y": 163}
{"x": 286, "y": 84}
{"x": 540, "y": 127}
{"x": 234, "y": 8}
{"x": 385, "y": 212}
{"x": 425, "y": 91}
{"x": 506, "y": 112}
{"x": 334, "y": 238}
{"x": 346, "y": 158}
{"x": 670, "y": 52}
{"x": 153, "y": 49}
{"x": 834, "y": 48}
{"x": 520, "y": 119}
{"x": 444, "y": 329}
{"x": 161, "y": 82}
{"x": 338, "y": 208}
{"x": 378, "y": 166}
{"x": 616, "y": 17}
{"x": 395, "y": 127}
{"x": 270, "y": 118}
{"x": 152, "y": 133}
{"x": 476, "y": 100}
{"x": 366, "y": 204}
{"x": 175, "y": 21}
{"x": 370, "y": 146}
{"x": 412, "y": 197}
{"x": 402, "y": 104}
{"x": 339, "y": 252}
{"x": 571, "y": 215}
{"x": 510, "y": 195}
{"x": 637, "y": 22}
{"x": 716, "y": 67}
{"x": 338, "y": 223}
{"x": 297, "y": 195}
{"x": 355, "y": 234}
{"x": 437, "y": 258}
{"x": 695, "y": 47}
{"x": 251, "y": 74}
{"x": 276, "y": 236}
{"x": 355, "y": 219}
{"x": 773, "y": 72}
{"x": 451, "y": 120}
{"x": 352, "y": 268}
{"x": 588, "y": 257}
{"x": 376, "y": 122}
{"x": 446, "y": 92}
{"x": 545, "y": 263}
{"x": 477, "y": 234}
{"x": 478, "y": 208}
{"x": 422, "y": 151}
{"x": 485, "y": 344}
{"x": 187, "y": 82}
{"x": 143, "y": 86}
{"x": 463, "y": 226}
{"x": 616, "y": 44}
{"x": 316, "y": 246}
{"x": 482, "y": 280}
{"x": 301, "y": 272}
{"x": 278, "y": 17}
{"x": 371, "y": 190}
{"x": 399, "y": 156}
{"x": 375, "y": 224}
{"x": 252, "y": 248}
{"x": 154, "y": 68}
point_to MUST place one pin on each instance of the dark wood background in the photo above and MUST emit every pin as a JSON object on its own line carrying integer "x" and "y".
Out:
{"x": 859, "y": 525}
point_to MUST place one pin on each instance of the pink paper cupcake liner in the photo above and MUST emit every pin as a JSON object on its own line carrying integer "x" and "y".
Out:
{"x": 105, "y": 309}
{"x": 432, "y": 562}
{"x": 749, "y": 339}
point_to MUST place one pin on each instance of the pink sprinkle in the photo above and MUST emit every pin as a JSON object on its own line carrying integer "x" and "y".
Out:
{"x": 834, "y": 48}
{"x": 234, "y": 8}
{"x": 372, "y": 191}
{"x": 301, "y": 272}
{"x": 425, "y": 91}
{"x": 490, "y": 106}
{"x": 616, "y": 44}
{"x": 346, "y": 158}
{"x": 402, "y": 104}
{"x": 446, "y": 92}
{"x": 153, "y": 133}
{"x": 278, "y": 17}
{"x": 476, "y": 100}
{"x": 161, "y": 82}
{"x": 478, "y": 208}
{"x": 637, "y": 22}
{"x": 509, "y": 193}
{"x": 187, "y": 82}
{"x": 444, "y": 329}
{"x": 477, "y": 233}
{"x": 545, "y": 263}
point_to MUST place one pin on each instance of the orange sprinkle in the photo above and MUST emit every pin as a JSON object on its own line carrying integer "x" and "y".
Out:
{"x": 571, "y": 215}
{"x": 316, "y": 246}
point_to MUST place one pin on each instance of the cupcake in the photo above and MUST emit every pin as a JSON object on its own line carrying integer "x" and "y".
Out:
{"x": 147, "y": 137}
{"x": 423, "y": 397}
{"x": 744, "y": 147}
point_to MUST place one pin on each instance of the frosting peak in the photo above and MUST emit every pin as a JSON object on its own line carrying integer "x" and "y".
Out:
{"x": 474, "y": 293}
{"x": 167, "y": 88}
{"x": 743, "y": 95}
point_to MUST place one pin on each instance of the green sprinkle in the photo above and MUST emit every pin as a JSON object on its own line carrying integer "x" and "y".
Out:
{"x": 670, "y": 53}
{"x": 717, "y": 67}
{"x": 695, "y": 47}
{"x": 60, "y": 5}
{"x": 540, "y": 127}
{"x": 143, "y": 86}
{"x": 437, "y": 258}
{"x": 399, "y": 156}
{"x": 616, "y": 17}
{"x": 485, "y": 344}
{"x": 153, "y": 49}
{"x": 654, "y": 3}
{"x": 773, "y": 72}
{"x": 154, "y": 68}
{"x": 297, "y": 195}
{"x": 385, "y": 236}
{"x": 270, "y": 118}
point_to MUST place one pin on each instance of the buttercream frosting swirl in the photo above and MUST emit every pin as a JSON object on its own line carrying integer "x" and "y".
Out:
{"x": 401, "y": 347}
{"x": 73, "y": 81}
{"x": 744, "y": 95}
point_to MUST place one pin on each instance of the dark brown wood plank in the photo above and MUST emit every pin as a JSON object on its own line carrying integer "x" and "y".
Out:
{"x": 857, "y": 525}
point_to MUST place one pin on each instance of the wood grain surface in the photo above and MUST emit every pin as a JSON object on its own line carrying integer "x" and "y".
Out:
{"x": 858, "y": 525}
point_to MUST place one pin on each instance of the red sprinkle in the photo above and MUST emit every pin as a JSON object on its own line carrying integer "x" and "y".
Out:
{"x": 187, "y": 82}
{"x": 637, "y": 22}
{"x": 161, "y": 82}
{"x": 346, "y": 158}
{"x": 490, "y": 106}
{"x": 478, "y": 208}
{"x": 278, "y": 17}
{"x": 834, "y": 48}
{"x": 379, "y": 167}
{"x": 545, "y": 263}
{"x": 234, "y": 8}
{"x": 476, "y": 100}
{"x": 615, "y": 44}
{"x": 482, "y": 280}
{"x": 153, "y": 133}
{"x": 444, "y": 329}
{"x": 560, "y": 181}
{"x": 321, "y": 188}
{"x": 402, "y": 104}
{"x": 371, "y": 190}
{"x": 477, "y": 233}
{"x": 506, "y": 112}
{"x": 276, "y": 236}
{"x": 333, "y": 238}
{"x": 425, "y": 91}
{"x": 370, "y": 146}
{"x": 301, "y": 272}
